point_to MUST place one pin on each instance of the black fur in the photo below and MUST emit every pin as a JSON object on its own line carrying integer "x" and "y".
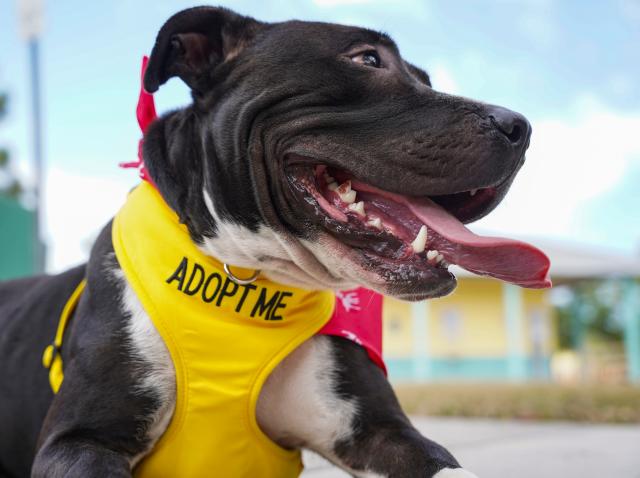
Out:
{"x": 29, "y": 312}
{"x": 384, "y": 441}
{"x": 273, "y": 99}
{"x": 289, "y": 89}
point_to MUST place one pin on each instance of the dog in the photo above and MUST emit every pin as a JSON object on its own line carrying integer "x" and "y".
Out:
{"x": 313, "y": 153}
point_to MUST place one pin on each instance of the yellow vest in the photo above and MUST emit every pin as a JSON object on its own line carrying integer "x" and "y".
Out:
{"x": 224, "y": 340}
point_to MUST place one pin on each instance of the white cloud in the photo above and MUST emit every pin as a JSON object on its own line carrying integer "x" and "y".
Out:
{"x": 442, "y": 79}
{"x": 569, "y": 164}
{"x": 77, "y": 207}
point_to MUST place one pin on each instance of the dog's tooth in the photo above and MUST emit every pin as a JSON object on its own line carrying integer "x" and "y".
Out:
{"x": 358, "y": 208}
{"x": 349, "y": 197}
{"x": 473, "y": 192}
{"x": 345, "y": 192}
{"x": 344, "y": 187}
{"x": 377, "y": 223}
{"x": 432, "y": 255}
{"x": 439, "y": 258}
{"x": 420, "y": 241}
{"x": 333, "y": 186}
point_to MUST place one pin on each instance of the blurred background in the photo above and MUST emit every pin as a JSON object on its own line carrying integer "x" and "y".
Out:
{"x": 69, "y": 79}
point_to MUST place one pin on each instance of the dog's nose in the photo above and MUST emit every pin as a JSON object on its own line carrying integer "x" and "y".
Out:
{"x": 513, "y": 125}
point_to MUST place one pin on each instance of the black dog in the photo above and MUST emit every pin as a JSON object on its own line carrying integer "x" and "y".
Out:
{"x": 279, "y": 111}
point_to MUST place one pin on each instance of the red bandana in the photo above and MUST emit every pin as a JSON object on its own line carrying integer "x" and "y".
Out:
{"x": 146, "y": 113}
{"x": 358, "y": 312}
{"x": 358, "y": 317}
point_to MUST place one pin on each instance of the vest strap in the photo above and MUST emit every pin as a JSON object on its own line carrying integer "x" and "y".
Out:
{"x": 52, "y": 356}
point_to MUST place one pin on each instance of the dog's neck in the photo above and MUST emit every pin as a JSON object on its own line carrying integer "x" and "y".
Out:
{"x": 223, "y": 221}
{"x": 282, "y": 257}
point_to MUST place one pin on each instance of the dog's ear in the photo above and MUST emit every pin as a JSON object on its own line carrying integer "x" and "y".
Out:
{"x": 193, "y": 42}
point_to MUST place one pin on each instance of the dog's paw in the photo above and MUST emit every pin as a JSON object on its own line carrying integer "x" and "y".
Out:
{"x": 454, "y": 473}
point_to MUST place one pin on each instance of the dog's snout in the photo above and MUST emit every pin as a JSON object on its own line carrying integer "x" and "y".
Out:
{"x": 512, "y": 125}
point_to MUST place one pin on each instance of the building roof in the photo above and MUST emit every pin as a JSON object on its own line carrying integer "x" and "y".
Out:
{"x": 577, "y": 261}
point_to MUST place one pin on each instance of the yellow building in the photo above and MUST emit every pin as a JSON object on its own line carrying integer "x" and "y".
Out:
{"x": 484, "y": 330}
{"x": 487, "y": 329}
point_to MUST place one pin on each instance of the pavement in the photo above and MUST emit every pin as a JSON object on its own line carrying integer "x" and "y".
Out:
{"x": 513, "y": 449}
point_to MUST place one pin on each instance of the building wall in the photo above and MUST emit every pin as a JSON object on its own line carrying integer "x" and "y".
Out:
{"x": 16, "y": 240}
{"x": 469, "y": 323}
{"x": 397, "y": 333}
{"x": 470, "y": 334}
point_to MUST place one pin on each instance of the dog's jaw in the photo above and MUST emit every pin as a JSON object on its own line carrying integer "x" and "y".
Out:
{"x": 279, "y": 255}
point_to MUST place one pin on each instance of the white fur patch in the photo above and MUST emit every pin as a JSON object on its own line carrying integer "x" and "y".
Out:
{"x": 297, "y": 405}
{"x": 149, "y": 348}
{"x": 454, "y": 473}
{"x": 280, "y": 256}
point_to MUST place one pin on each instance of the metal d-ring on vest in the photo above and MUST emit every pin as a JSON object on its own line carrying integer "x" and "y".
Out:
{"x": 239, "y": 281}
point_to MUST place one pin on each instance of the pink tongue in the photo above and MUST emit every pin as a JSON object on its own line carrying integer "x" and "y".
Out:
{"x": 512, "y": 261}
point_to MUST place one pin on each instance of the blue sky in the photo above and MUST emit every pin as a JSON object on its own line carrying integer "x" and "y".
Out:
{"x": 571, "y": 67}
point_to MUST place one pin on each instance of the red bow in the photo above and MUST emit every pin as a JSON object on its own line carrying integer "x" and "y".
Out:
{"x": 146, "y": 113}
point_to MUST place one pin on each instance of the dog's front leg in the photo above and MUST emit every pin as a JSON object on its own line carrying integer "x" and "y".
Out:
{"x": 86, "y": 434}
{"x": 115, "y": 402}
{"x": 79, "y": 458}
{"x": 101, "y": 422}
{"x": 329, "y": 397}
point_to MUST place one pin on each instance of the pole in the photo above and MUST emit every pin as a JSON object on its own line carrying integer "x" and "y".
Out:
{"x": 34, "y": 60}
{"x": 631, "y": 316}
{"x": 512, "y": 301}
{"x": 31, "y": 20}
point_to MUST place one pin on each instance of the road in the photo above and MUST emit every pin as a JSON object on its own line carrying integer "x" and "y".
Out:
{"x": 512, "y": 449}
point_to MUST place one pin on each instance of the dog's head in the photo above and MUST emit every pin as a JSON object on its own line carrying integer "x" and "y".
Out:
{"x": 314, "y": 152}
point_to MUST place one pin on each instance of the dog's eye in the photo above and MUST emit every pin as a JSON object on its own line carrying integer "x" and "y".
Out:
{"x": 368, "y": 58}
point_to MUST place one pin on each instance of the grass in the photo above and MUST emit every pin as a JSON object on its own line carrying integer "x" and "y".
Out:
{"x": 597, "y": 404}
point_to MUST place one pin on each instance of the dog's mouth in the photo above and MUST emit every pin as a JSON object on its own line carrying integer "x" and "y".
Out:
{"x": 407, "y": 238}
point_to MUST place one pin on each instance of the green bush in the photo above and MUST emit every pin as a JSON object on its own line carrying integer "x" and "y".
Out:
{"x": 614, "y": 404}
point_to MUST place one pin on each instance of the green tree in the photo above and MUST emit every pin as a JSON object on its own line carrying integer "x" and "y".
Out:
{"x": 591, "y": 311}
{"x": 9, "y": 184}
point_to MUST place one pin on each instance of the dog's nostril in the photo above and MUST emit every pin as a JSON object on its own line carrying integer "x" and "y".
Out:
{"x": 513, "y": 125}
{"x": 515, "y": 134}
